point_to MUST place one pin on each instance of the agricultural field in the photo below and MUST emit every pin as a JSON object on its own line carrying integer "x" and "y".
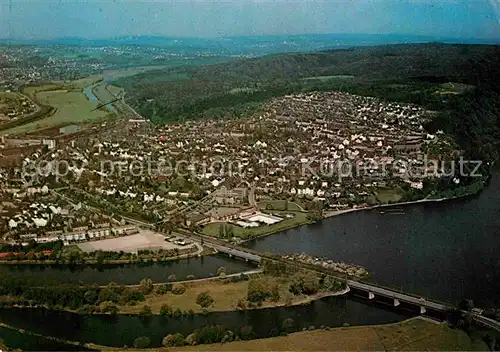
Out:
{"x": 104, "y": 92}
{"x": 454, "y": 88}
{"x": 31, "y": 91}
{"x": 386, "y": 196}
{"x": 70, "y": 107}
{"x": 9, "y": 95}
{"x": 114, "y": 89}
{"x": 127, "y": 72}
{"x": 84, "y": 82}
{"x": 411, "y": 335}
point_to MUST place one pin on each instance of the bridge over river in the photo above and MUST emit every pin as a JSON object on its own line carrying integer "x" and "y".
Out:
{"x": 424, "y": 304}
{"x": 372, "y": 290}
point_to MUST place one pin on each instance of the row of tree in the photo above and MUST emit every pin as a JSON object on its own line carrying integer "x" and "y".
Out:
{"x": 37, "y": 291}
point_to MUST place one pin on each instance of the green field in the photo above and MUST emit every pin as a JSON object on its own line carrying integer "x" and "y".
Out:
{"x": 70, "y": 103}
{"x": 71, "y": 107}
{"x": 299, "y": 219}
{"x": 114, "y": 90}
{"x": 104, "y": 93}
{"x": 279, "y": 205}
{"x": 411, "y": 335}
{"x": 454, "y": 88}
{"x": 84, "y": 82}
{"x": 386, "y": 196}
{"x": 131, "y": 71}
{"x": 32, "y": 90}
{"x": 226, "y": 295}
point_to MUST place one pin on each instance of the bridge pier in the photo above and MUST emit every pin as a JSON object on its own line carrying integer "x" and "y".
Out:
{"x": 422, "y": 310}
{"x": 396, "y": 302}
{"x": 371, "y": 295}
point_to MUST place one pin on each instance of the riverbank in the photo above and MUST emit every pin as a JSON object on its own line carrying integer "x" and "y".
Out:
{"x": 484, "y": 184}
{"x": 439, "y": 233}
{"x": 128, "y": 274}
{"x": 200, "y": 251}
{"x": 414, "y": 334}
{"x": 212, "y": 278}
{"x": 235, "y": 292}
{"x": 69, "y": 104}
{"x": 244, "y": 235}
{"x": 343, "y": 269}
{"x": 333, "y": 213}
{"x": 67, "y": 344}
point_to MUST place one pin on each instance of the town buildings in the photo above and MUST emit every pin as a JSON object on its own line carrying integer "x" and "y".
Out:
{"x": 332, "y": 148}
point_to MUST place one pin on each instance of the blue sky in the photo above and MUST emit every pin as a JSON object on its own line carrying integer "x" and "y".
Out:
{"x": 43, "y": 19}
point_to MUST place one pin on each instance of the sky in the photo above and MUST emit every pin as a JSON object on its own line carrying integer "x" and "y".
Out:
{"x": 46, "y": 19}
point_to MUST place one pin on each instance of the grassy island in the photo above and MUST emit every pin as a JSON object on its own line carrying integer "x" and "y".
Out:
{"x": 277, "y": 285}
{"x": 239, "y": 293}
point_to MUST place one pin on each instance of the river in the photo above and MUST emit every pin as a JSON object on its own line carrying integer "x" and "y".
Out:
{"x": 447, "y": 251}
{"x": 28, "y": 342}
{"x": 90, "y": 95}
{"x": 130, "y": 274}
{"x": 94, "y": 100}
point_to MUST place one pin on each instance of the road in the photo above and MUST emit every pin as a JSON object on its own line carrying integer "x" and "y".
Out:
{"x": 235, "y": 252}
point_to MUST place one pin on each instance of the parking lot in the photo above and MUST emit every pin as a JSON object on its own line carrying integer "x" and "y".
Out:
{"x": 145, "y": 239}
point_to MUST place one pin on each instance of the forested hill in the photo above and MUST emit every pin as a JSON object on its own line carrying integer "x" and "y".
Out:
{"x": 409, "y": 72}
{"x": 381, "y": 62}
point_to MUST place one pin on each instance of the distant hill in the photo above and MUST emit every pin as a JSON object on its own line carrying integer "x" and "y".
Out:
{"x": 259, "y": 78}
{"x": 259, "y": 45}
{"x": 380, "y": 62}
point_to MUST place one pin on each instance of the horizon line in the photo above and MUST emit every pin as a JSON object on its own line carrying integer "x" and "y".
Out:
{"x": 428, "y": 36}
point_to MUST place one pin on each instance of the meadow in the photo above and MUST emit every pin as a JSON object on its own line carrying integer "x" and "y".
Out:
{"x": 71, "y": 107}
{"x": 410, "y": 335}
